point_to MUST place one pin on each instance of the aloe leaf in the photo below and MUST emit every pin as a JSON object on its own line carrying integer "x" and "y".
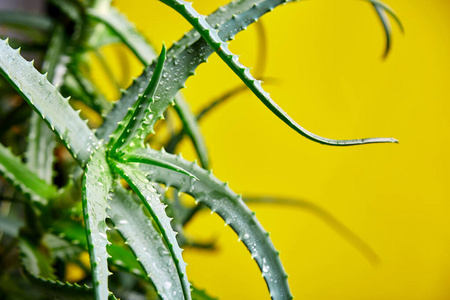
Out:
{"x": 122, "y": 258}
{"x": 126, "y": 31}
{"x": 190, "y": 126}
{"x": 133, "y": 130}
{"x": 48, "y": 103}
{"x": 75, "y": 233}
{"x": 35, "y": 261}
{"x": 182, "y": 59}
{"x": 55, "y": 289}
{"x": 19, "y": 175}
{"x": 41, "y": 140}
{"x": 261, "y": 61}
{"x": 70, "y": 231}
{"x": 230, "y": 207}
{"x": 147, "y": 158}
{"x": 145, "y": 53}
{"x": 97, "y": 183}
{"x": 28, "y": 20}
{"x": 146, "y": 242}
{"x": 390, "y": 11}
{"x": 382, "y": 11}
{"x": 40, "y": 147}
{"x": 219, "y": 45}
{"x": 59, "y": 248}
{"x": 146, "y": 192}
{"x": 216, "y": 19}
{"x": 81, "y": 87}
{"x": 74, "y": 11}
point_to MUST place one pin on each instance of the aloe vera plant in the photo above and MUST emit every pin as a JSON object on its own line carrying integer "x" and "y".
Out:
{"x": 114, "y": 199}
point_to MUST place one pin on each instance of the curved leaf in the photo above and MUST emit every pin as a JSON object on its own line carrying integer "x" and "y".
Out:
{"x": 41, "y": 140}
{"x": 382, "y": 11}
{"x": 120, "y": 256}
{"x": 146, "y": 242}
{"x": 221, "y": 47}
{"x": 191, "y": 127}
{"x": 22, "y": 19}
{"x": 146, "y": 192}
{"x": 16, "y": 172}
{"x": 126, "y": 31}
{"x": 55, "y": 289}
{"x": 182, "y": 59}
{"x": 48, "y": 103}
{"x": 34, "y": 260}
{"x": 221, "y": 16}
{"x": 134, "y": 128}
{"x": 149, "y": 159}
{"x": 230, "y": 207}
{"x": 97, "y": 183}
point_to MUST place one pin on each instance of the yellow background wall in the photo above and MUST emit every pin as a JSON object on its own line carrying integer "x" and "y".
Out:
{"x": 326, "y": 57}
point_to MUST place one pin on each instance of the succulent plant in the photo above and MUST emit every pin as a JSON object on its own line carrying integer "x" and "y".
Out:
{"x": 119, "y": 198}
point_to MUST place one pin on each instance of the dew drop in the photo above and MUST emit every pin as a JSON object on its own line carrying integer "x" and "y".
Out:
{"x": 167, "y": 285}
{"x": 141, "y": 177}
{"x": 162, "y": 251}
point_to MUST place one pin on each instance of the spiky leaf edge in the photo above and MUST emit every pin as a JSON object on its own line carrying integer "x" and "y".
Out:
{"x": 146, "y": 192}
{"x": 230, "y": 207}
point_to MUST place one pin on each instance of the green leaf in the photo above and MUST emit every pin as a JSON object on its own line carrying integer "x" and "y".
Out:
{"x": 221, "y": 16}
{"x": 191, "y": 127}
{"x": 81, "y": 87}
{"x": 145, "y": 53}
{"x": 390, "y": 11}
{"x": 146, "y": 242}
{"x": 182, "y": 59}
{"x": 48, "y": 103}
{"x": 28, "y": 20}
{"x": 55, "y": 289}
{"x": 60, "y": 248}
{"x": 230, "y": 207}
{"x": 34, "y": 260}
{"x": 126, "y": 31}
{"x": 75, "y": 233}
{"x": 19, "y": 175}
{"x": 221, "y": 47}
{"x": 382, "y": 11}
{"x": 74, "y": 12}
{"x": 71, "y": 231}
{"x": 40, "y": 147}
{"x": 97, "y": 183}
{"x": 41, "y": 140}
{"x": 147, "y": 158}
{"x": 146, "y": 192}
{"x": 124, "y": 259}
{"x": 134, "y": 128}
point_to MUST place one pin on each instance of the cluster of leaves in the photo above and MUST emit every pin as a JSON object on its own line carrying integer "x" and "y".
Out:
{"x": 115, "y": 196}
